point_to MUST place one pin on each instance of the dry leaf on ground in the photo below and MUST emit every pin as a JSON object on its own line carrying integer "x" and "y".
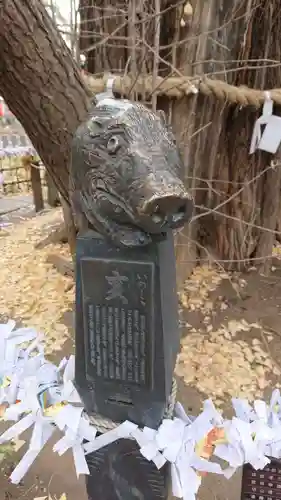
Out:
{"x": 31, "y": 290}
{"x": 216, "y": 361}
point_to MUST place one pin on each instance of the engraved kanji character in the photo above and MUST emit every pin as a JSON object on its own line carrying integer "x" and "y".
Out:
{"x": 116, "y": 282}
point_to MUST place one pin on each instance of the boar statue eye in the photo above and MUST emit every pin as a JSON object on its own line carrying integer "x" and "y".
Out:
{"x": 113, "y": 144}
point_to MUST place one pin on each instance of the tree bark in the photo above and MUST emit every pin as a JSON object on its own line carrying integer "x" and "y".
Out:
{"x": 98, "y": 21}
{"x": 41, "y": 84}
{"x": 234, "y": 192}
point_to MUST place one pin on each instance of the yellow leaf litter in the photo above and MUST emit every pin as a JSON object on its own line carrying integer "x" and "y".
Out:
{"x": 31, "y": 290}
{"x": 221, "y": 362}
{"x": 216, "y": 361}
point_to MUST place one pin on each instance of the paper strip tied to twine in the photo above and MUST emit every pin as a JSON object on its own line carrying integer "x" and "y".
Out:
{"x": 270, "y": 138}
{"x": 39, "y": 395}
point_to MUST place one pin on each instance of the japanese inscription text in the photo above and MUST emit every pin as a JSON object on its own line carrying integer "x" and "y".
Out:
{"x": 118, "y": 321}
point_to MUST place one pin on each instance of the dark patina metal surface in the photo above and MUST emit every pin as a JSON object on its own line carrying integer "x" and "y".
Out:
{"x": 127, "y": 335}
{"x": 126, "y": 174}
{"x": 120, "y": 472}
{"x": 126, "y": 184}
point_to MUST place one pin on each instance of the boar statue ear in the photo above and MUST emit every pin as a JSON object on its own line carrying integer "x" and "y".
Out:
{"x": 96, "y": 125}
{"x": 162, "y": 116}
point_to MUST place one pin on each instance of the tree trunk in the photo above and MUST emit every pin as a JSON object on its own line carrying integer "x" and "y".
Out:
{"x": 236, "y": 194}
{"x": 98, "y": 21}
{"x": 41, "y": 84}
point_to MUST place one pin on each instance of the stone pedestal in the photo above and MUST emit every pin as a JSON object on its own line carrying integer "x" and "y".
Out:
{"x": 127, "y": 340}
{"x": 127, "y": 335}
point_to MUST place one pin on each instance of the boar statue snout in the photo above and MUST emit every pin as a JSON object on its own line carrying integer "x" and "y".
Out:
{"x": 165, "y": 212}
{"x": 126, "y": 174}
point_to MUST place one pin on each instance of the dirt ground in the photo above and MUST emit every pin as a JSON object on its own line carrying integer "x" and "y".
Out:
{"x": 231, "y": 345}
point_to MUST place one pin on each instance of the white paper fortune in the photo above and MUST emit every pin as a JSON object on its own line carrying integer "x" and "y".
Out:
{"x": 40, "y": 396}
{"x": 269, "y": 138}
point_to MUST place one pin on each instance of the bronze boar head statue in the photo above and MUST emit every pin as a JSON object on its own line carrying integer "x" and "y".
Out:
{"x": 126, "y": 174}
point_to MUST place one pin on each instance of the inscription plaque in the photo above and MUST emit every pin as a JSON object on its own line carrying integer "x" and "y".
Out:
{"x": 118, "y": 320}
{"x": 127, "y": 335}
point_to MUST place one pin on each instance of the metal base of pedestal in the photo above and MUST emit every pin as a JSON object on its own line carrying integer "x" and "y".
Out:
{"x": 120, "y": 472}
